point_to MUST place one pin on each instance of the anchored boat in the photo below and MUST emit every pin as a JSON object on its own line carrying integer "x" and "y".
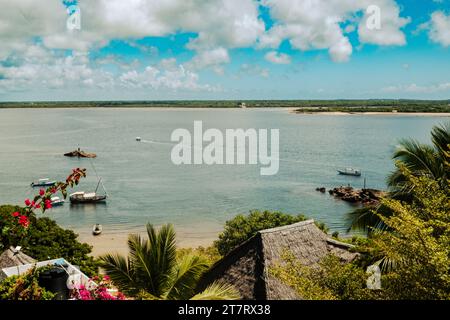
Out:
{"x": 350, "y": 172}
{"x": 43, "y": 183}
{"x": 82, "y": 197}
{"x": 56, "y": 201}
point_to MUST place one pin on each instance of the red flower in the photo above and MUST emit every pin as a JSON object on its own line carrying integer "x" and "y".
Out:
{"x": 41, "y": 192}
{"x": 53, "y": 190}
{"x": 37, "y": 206}
{"x": 48, "y": 204}
{"x": 15, "y": 214}
{"x": 27, "y": 202}
{"x": 24, "y": 222}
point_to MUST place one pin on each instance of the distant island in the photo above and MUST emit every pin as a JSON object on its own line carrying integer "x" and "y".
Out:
{"x": 298, "y": 106}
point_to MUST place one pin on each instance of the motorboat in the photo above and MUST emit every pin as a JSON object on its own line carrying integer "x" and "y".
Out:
{"x": 57, "y": 201}
{"x": 350, "y": 172}
{"x": 43, "y": 183}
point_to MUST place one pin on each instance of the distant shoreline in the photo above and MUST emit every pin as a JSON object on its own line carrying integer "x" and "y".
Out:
{"x": 374, "y": 113}
{"x": 293, "y": 110}
{"x": 378, "y": 106}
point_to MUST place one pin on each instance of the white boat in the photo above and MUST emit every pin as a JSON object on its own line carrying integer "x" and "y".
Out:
{"x": 56, "y": 201}
{"x": 82, "y": 197}
{"x": 350, "y": 172}
{"x": 97, "y": 229}
{"x": 43, "y": 183}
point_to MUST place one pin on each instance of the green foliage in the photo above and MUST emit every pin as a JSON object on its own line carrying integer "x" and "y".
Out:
{"x": 210, "y": 254}
{"x": 153, "y": 270}
{"x": 24, "y": 287}
{"x": 46, "y": 240}
{"x": 330, "y": 280}
{"x": 241, "y": 228}
{"x": 416, "y": 249}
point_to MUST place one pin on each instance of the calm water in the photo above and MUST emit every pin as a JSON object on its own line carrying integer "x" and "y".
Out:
{"x": 144, "y": 186}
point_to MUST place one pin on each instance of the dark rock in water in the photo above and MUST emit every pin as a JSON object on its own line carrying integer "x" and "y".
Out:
{"x": 80, "y": 154}
{"x": 364, "y": 196}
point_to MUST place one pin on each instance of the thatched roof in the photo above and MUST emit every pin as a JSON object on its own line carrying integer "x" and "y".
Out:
{"x": 247, "y": 266}
{"x": 12, "y": 258}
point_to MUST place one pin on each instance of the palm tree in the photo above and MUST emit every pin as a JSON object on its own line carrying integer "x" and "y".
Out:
{"x": 420, "y": 160}
{"x": 153, "y": 270}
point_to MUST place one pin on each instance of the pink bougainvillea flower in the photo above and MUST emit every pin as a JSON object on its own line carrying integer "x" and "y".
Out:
{"x": 41, "y": 192}
{"x": 27, "y": 202}
{"x": 37, "y": 206}
{"x": 53, "y": 190}
{"x": 15, "y": 214}
{"x": 106, "y": 278}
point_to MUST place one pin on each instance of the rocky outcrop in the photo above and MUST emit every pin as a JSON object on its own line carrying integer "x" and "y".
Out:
{"x": 80, "y": 154}
{"x": 364, "y": 196}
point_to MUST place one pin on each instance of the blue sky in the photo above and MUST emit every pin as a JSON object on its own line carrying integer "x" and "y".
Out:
{"x": 271, "y": 49}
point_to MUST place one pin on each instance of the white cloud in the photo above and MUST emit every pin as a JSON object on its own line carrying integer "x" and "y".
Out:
{"x": 174, "y": 78}
{"x": 278, "y": 58}
{"x": 316, "y": 24}
{"x": 439, "y": 28}
{"x": 210, "y": 59}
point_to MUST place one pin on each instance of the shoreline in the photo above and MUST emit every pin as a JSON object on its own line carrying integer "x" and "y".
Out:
{"x": 115, "y": 241}
{"x": 372, "y": 113}
{"x": 291, "y": 110}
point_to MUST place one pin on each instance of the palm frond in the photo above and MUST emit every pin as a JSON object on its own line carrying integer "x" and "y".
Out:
{"x": 218, "y": 291}
{"x": 440, "y": 135}
{"x": 120, "y": 270}
{"x": 185, "y": 276}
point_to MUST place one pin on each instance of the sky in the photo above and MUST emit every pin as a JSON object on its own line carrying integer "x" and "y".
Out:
{"x": 55, "y": 50}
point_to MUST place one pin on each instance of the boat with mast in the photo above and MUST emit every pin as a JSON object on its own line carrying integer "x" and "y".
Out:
{"x": 82, "y": 197}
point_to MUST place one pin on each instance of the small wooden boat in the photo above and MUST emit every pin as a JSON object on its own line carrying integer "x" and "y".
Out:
{"x": 350, "y": 172}
{"x": 80, "y": 154}
{"x": 56, "y": 201}
{"x": 97, "y": 229}
{"x": 138, "y": 139}
{"x": 82, "y": 197}
{"x": 43, "y": 183}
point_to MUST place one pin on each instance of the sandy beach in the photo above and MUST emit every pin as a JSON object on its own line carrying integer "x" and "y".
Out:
{"x": 116, "y": 241}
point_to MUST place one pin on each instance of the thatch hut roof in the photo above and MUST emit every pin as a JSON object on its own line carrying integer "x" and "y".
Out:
{"x": 12, "y": 258}
{"x": 247, "y": 266}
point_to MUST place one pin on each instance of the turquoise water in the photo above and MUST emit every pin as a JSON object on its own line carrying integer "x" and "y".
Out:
{"x": 144, "y": 186}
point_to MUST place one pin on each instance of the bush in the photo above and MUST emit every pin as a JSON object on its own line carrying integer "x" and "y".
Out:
{"x": 241, "y": 228}
{"x": 24, "y": 287}
{"x": 330, "y": 280}
{"x": 46, "y": 240}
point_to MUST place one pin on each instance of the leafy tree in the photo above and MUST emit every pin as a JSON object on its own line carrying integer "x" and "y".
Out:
{"x": 416, "y": 249}
{"x": 153, "y": 271}
{"x": 330, "y": 280}
{"x": 241, "y": 228}
{"x": 46, "y": 240}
